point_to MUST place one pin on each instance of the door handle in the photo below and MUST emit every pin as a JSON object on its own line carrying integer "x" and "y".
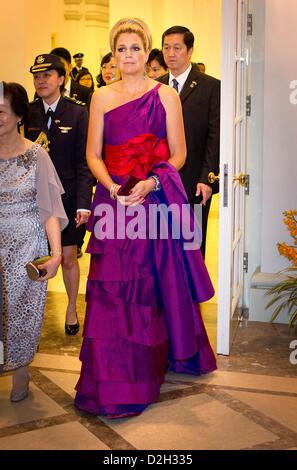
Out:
{"x": 242, "y": 178}
{"x": 212, "y": 178}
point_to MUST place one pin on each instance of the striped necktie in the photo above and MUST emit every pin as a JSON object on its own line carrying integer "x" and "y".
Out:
{"x": 175, "y": 84}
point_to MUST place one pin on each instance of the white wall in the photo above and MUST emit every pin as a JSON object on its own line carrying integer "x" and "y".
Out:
{"x": 255, "y": 142}
{"x": 81, "y": 26}
{"x": 202, "y": 17}
{"x": 280, "y": 135}
{"x": 23, "y": 34}
{"x": 28, "y": 28}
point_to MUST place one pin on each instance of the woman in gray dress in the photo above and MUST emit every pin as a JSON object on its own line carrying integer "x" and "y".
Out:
{"x": 31, "y": 215}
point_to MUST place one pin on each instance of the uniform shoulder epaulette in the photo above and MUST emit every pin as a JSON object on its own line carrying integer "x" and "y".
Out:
{"x": 73, "y": 100}
{"x": 36, "y": 100}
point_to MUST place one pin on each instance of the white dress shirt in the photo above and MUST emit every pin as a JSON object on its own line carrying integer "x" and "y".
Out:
{"x": 53, "y": 107}
{"x": 181, "y": 79}
{"x": 66, "y": 91}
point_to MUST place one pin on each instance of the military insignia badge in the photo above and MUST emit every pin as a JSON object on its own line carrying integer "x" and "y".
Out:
{"x": 64, "y": 129}
{"x": 40, "y": 59}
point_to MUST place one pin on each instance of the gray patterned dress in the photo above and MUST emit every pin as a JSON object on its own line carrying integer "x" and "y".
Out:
{"x": 30, "y": 192}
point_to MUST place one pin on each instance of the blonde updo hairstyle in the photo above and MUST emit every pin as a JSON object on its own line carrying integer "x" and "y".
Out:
{"x": 131, "y": 25}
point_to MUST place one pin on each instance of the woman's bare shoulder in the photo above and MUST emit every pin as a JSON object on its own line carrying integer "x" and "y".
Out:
{"x": 101, "y": 97}
{"x": 102, "y": 93}
{"x": 168, "y": 95}
{"x": 105, "y": 92}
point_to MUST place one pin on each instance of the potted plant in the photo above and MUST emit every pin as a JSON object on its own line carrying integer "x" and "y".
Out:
{"x": 286, "y": 290}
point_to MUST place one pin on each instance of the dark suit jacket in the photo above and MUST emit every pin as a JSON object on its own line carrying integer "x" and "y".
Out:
{"x": 75, "y": 71}
{"x": 200, "y": 99}
{"x": 67, "y": 136}
{"x": 80, "y": 92}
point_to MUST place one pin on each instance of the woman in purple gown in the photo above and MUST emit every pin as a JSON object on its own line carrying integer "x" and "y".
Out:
{"x": 143, "y": 290}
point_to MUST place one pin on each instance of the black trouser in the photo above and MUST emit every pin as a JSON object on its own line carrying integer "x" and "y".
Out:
{"x": 205, "y": 212}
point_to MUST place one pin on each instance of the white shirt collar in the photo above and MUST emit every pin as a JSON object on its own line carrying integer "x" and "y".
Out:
{"x": 67, "y": 88}
{"x": 52, "y": 106}
{"x": 181, "y": 79}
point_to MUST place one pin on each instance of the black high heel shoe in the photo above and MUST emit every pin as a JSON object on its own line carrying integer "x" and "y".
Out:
{"x": 72, "y": 329}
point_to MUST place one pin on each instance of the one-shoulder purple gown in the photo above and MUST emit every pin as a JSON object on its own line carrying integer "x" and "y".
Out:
{"x": 142, "y": 315}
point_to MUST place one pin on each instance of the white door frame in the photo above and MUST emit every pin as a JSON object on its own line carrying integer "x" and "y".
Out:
{"x": 232, "y": 162}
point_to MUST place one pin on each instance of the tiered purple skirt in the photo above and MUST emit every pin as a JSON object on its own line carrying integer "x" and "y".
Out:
{"x": 142, "y": 319}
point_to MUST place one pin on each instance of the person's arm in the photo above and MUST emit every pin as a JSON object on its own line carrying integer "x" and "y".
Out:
{"x": 53, "y": 232}
{"x": 51, "y": 211}
{"x": 95, "y": 138}
{"x": 84, "y": 179}
{"x": 211, "y": 161}
{"x": 175, "y": 126}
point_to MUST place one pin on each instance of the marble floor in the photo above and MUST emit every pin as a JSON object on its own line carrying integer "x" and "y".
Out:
{"x": 250, "y": 402}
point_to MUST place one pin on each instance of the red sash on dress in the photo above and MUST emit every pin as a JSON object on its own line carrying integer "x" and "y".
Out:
{"x": 136, "y": 156}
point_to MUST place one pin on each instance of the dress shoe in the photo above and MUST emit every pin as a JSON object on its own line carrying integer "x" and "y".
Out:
{"x": 72, "y": 329}
{"x": 22, "y": 393}
{"x": 14, "y": 397}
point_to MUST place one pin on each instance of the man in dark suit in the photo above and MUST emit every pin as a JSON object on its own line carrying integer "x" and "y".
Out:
{"x": 200, "y": 98}
{"x": 78, "y": 59}
{"x": 72, "y": 89}
{"x": 64, "y": 122}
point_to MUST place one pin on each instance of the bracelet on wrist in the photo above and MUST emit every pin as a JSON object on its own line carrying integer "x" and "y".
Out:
{"x": 157, "y": 182}
{"x": 113, "y": 190}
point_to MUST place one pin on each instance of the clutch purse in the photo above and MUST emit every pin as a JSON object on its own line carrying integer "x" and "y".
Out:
{"x": 33, "y": 271}
{"x": 125, "y": 190}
